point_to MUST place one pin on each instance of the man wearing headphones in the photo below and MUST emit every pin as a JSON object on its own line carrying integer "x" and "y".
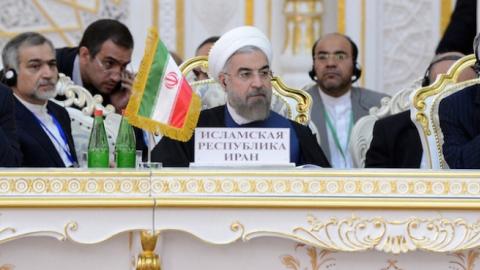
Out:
{"x": 337, "y": 105}
{"x": 43, "y": 127}
{"x": 395, "y": 142}
{"x": 459, "y": 116}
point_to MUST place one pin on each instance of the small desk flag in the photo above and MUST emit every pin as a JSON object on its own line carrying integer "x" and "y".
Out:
{"x": 162, "y": 100}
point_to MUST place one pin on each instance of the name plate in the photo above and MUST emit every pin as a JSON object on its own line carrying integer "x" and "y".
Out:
{"x": 242, "y": 146}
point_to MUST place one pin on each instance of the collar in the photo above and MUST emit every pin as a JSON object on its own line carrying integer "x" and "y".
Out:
{"x": 330, "y": 101}
{"x": 240, "y": 120}
{"x": 39, "y": 110}
{"x": 76, "y": 75}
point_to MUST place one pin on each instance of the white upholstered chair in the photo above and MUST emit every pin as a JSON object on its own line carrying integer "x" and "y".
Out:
{"x": 80, "y": 105}
{"x": 292, "y": 103}
{"x": 425, "y": 102}
{"x": 362, "y": 131}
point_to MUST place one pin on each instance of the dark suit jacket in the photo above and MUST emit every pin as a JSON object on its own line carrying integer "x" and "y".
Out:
{"x": 174, "y": 153}
{"x": 10, "y": 154}
{"x": 65, "y": 58}
{"x": 459, "y": 116}
{"x": 461, "y": 30}
{"x": 37, "y": 148}
{"x": 395, "y": 143}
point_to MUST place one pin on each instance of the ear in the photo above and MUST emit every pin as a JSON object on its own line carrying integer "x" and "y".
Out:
{"x": 84, "y": 53}
{"x": 221, "y": 80}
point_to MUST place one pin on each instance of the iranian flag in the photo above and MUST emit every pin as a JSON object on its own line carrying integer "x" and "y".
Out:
{"x": 162, "y": 101}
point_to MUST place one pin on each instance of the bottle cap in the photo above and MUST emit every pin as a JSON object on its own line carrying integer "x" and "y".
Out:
{"x": 98, "y": 112}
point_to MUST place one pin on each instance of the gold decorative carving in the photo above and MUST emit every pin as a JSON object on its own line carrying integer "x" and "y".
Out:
{"x": 445, "y": 11}
{"x": 180, "y": 27}
{"x": 317, "y": 259}
{"x": 464, "y": 260}
{"x": 303, "y": 22}
{"x": 392, "y": 265}
{"x": 148, "y": 260}
{"x": 249, "y": 12}
{"x": 173, "y": 183}
{"x": 438, "y": 86}
{"x": 341, "y": 18}
{"x": 7, "y": 267}
{"x": 357, "y": 234}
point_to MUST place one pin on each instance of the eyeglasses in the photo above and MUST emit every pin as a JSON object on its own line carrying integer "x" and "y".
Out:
{"x": 111, "y": 66}
{"x": 249, "y": 75}
{"x": 337, "y": 56}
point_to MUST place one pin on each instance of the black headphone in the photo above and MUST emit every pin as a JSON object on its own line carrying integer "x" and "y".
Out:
{"x": 448, "y": 57}
{"x": 357, "y": 70}
{"x": 9, "y": 77}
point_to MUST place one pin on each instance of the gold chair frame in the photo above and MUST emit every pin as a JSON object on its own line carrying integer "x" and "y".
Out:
{"x": 425, "y": 102}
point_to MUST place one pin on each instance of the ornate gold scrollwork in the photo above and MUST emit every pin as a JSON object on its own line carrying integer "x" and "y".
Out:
{"x": 148, "y": 260}
{"x": 317, "y": 259}
{"x": 463, "y": 260}
{"x": 357, "y": 234}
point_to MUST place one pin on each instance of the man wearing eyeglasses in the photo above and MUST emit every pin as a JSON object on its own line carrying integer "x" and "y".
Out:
{"x": 43, "y": 127}
{"x": 240, "y": 62}
{"x": 337, "y": 105}
{"x": 99, "y": 62}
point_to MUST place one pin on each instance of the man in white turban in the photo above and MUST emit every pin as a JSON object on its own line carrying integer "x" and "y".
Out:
{"x": 240, "y": 62}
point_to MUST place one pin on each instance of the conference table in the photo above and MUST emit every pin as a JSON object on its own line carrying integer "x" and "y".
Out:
{"x": 239, "y": 218}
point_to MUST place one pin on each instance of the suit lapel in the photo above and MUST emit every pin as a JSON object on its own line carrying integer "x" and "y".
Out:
{"x": 318, "y": 118}
{"x": 54, "y": 111}
{"x": 358, "y": 107}
{"x": 30, "y": 125}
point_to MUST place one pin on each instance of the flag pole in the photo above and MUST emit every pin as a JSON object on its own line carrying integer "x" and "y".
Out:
{"x": 150, "y": 145}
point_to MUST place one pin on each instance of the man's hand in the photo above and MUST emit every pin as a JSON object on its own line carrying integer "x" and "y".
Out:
{"x": 120, "y": 98}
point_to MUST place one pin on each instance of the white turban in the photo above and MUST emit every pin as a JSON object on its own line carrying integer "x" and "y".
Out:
{"x": 233, "y": 40}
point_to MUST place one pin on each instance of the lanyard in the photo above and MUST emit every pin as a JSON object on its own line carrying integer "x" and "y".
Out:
{"x": 335, "y": 135}
{"x": 64, "y": 146}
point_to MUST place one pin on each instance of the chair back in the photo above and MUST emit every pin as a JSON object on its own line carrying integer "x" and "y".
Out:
{"x": 362, "y": 131}
{"x": 424, "y": 109}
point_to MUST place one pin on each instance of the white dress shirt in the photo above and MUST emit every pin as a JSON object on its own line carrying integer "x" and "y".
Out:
{"x": 40, "y": 111}
{"x": 339, "y": 112}
{"x": 237, "y": 118}
{"x": 76, "y": 75}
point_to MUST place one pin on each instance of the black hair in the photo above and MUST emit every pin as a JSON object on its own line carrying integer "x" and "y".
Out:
{"x": 106, "y": 29}
{"x": 212, "y": 39}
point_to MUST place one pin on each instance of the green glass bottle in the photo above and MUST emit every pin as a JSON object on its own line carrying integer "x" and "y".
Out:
{"x": 98, "y": 144}
{"x": 125, "y": 146}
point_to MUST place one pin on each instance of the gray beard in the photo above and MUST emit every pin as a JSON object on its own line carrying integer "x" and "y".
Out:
{"x": 45, "y": 95}
{"x": 257, "y": 111}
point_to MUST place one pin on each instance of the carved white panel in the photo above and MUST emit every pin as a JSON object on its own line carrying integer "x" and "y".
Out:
{"x": 167, "y": 25}
{"x": 208, "y": 18}
{"x": 61, "y": 21}
{"x": 408, "y": 42}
